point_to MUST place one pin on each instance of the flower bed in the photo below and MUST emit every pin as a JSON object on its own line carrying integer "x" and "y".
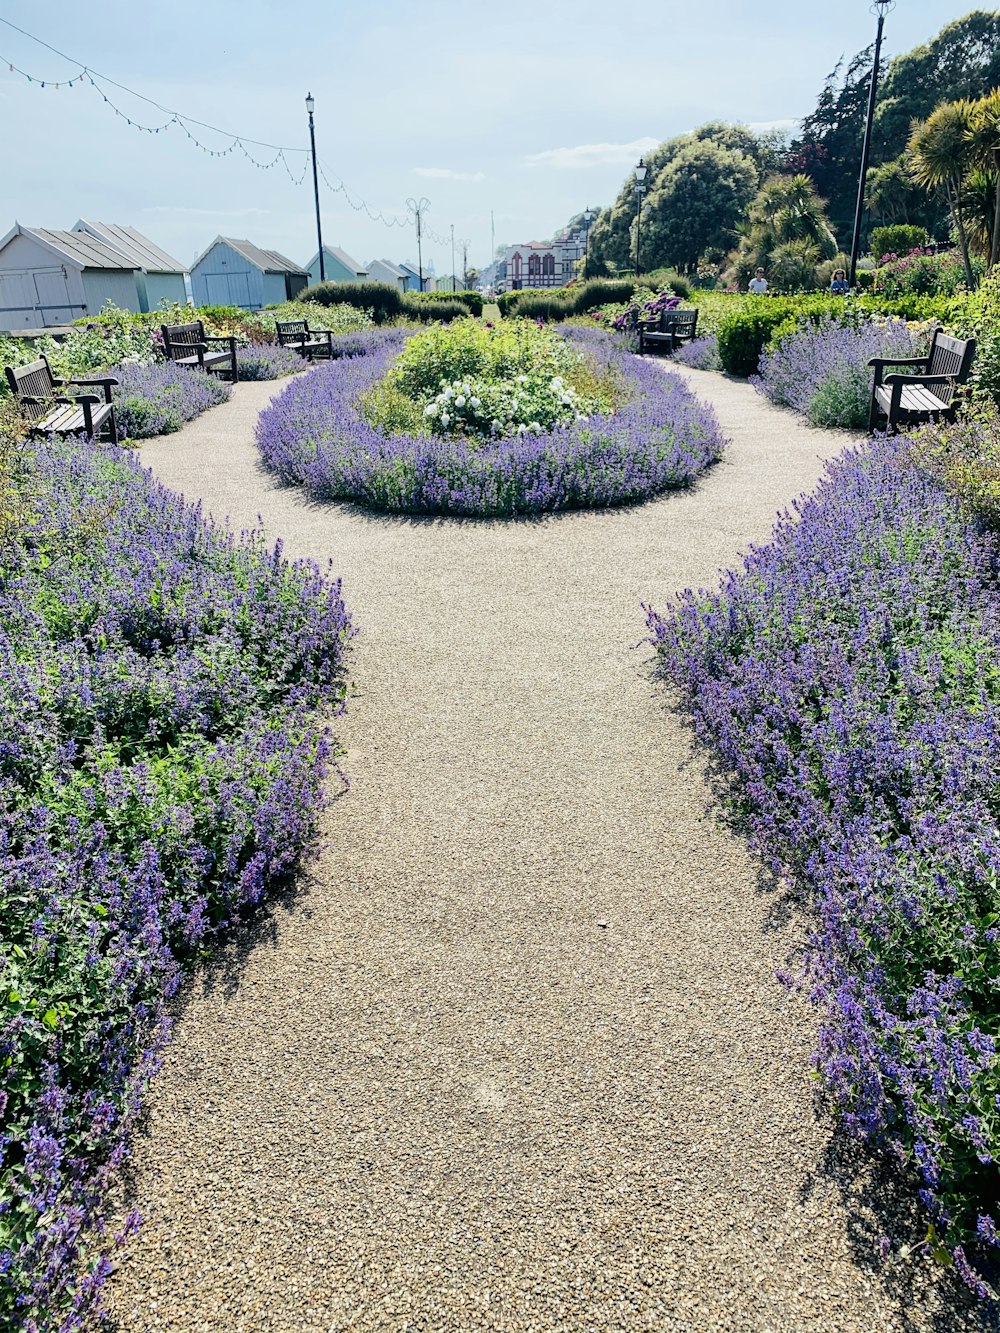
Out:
{"x": 267, "y": 361}
{"x": 161, "y": 766}
{"x": 820, "y": 367}
{"x": 317, "y": 434}
{"x": 848, "y": 677}
{"x": 157, "y": 398}
{"x": 699, "y": 353}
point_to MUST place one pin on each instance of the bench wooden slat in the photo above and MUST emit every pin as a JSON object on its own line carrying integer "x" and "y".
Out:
{"x": 187, "y": 345}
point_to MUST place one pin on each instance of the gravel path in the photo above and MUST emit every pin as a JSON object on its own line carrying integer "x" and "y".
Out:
{"x": 515, "y": 1058}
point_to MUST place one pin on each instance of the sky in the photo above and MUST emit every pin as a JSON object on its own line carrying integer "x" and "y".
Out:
{"x": 526, "y": 111}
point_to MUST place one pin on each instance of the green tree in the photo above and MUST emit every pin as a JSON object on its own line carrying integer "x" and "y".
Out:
{"x": 786, "y": 233}
{"x": 984, "y": 146}
{"x": 696, "y": 204}
{"x": 940, "y": 156}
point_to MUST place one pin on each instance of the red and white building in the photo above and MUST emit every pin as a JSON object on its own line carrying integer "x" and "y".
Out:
{"x": 541, "y": 263}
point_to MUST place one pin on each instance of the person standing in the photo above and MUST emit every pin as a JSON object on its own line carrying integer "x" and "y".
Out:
{"x": 758, "y": 283}
{"x": 839, "y": 286}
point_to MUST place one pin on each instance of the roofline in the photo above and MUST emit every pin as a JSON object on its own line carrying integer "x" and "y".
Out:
{"x": 19, "y": 229}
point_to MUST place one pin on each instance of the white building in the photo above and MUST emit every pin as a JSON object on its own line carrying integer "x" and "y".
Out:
{"x": 541, "y": 263}
{"x": 383, "y": 270}
{"x": 49, "y": 277}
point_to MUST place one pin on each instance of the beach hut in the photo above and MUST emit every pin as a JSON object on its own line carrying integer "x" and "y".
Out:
{"x": 49, "y": 277}
{"x": 337, "y": 265}
{"x": 235, "y": 272}
{"x": 162, "y": 276}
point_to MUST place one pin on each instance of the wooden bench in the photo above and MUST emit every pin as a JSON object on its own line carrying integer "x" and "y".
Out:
{"x": 929, "y": 393}
{"x": 671, "y": 328}
{"x": 188, "y": 345}
{"x": 34, "y": 388}
{"x": 310, "y": 343}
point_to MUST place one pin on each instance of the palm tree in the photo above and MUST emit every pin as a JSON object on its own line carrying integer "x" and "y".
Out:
{"x": 940, "y": 154}
{"x": 984, "y": 145}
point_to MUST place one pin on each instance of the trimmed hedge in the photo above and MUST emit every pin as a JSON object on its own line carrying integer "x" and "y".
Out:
{"x": 417, "y": 306}
{"x": 898, "y": 239}
{"x": 558, "y": 303}
{"x": 384, "y": 301}
{"x": 748, "y": 323}
{"x": 474, "y": 300}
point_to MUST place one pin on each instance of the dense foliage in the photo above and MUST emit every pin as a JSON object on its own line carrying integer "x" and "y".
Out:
{"x": 473, "y": 300}
{"x": 821, "y": 368}
{"x": 699, "y": 353}
{"x": 318, "y": 434}
{"x": 467, "y": 380}
{"x": 848, "y": 677}
{"x": 383, "y": 302}
{"x": 162, "y": 763}
{"x": 965, "y": 457}
{"x": 564, "y": 302}
{"x": 267, "y": 361}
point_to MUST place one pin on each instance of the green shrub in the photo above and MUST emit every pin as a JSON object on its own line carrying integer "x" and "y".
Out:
{"x": 977, "y": 315}
{"x": 898, "y": 239}
{"x": 444, "y": 307}
{"x": 474, "y": 300}
{"x": 546, "y": 306}
{"x": 669, "y": 278}
{"x": 744, "y": 333}
{"x": 384, "y": 301}
{"x": 965, "y": 456}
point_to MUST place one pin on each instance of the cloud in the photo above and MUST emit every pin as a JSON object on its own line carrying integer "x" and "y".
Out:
{"x": 446, "y": 174}
{"x": 591, "y": 155}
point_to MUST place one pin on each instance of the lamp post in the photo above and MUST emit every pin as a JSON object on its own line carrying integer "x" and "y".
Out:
{"x": 465, "y": 265}
{"x": 310, "y": 104}
{"x": 417, "y": 207}
{"x": 588, "y": 222}
{"x": 453, "y": 278}
{"x": 881, "y": 8}
{"x": 640, "y": 188}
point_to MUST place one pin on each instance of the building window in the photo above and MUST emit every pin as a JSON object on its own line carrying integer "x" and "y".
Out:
{"x": 549, "y": 266}
{"x": 534, "y": 265}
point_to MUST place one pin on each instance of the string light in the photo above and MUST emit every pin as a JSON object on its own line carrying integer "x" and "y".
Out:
{"x": 100, "y": 83}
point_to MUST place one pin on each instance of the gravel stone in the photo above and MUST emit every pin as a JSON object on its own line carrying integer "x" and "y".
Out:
{"x": 426, "y": 1093}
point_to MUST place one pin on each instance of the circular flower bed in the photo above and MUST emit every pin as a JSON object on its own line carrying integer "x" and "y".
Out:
{"x": 353, "y": 430}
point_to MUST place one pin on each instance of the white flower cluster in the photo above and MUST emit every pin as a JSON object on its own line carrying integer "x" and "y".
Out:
{"x": 524, "y": 405}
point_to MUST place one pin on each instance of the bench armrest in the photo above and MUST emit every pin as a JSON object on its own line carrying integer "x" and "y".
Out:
{"x": 99, "y": 381}
{"x": 919, "y": 379}
{"x": 81, "y": 398}
{"x": 899, "y": 361}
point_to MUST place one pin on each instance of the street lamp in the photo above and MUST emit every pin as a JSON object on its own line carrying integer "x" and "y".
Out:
{"x": 588, "y": 222}
{"x": 881, "y": 8}
{"x": 310, "y": 104}
{"x": 640, "y": 188}
{"x": 417, "y": 207}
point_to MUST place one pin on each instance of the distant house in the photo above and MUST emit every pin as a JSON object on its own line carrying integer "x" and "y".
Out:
{"x": 53, "y": 277}
{"x": 381, "y": 270}
{"x": 543, "y": 263}
{"x": 338, "y": 266}
{"x": 412, "y": 275}
{"x": 161, "y": 277}
{"x": 233, "y": 272}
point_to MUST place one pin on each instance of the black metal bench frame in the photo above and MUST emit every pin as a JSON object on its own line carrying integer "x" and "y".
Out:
{"x": 929, "y": 394}
{"x": 49, "y": 413}
{"x": 669, "y": 329}
{"x": 310, "y": 343}
{"x": 189, "y": 345}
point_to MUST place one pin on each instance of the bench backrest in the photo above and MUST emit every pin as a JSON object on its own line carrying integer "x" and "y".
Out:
{"x": 35, "y": 380}
{"x": 949, "y": 356}
{"x": 681, "y": 321}
{"x": 291, "y": 330}
{"x": 180, "y": 339}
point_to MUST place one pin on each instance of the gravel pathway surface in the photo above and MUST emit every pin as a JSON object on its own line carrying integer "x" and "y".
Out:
{"x": 514, "y": 1058}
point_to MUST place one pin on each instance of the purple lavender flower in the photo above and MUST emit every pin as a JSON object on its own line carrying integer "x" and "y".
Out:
{"x": 847, "y": 676}
{"x": 316, "y": 435}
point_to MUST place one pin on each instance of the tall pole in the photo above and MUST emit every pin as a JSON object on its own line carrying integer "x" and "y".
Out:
{"x": 453, "y": 257}
{"x": 310, "y": 103}
{"x": 417, "y": 207}
{"x": 465, "y": 265}
{"x": 881, "y": 8}
{"x": 640, "y": 177}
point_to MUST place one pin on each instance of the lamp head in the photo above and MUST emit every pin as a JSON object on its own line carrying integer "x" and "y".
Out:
{"x": 882, "y": 7}
{"x": 310, "y": 103}
{"x": 641, "y": 169}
